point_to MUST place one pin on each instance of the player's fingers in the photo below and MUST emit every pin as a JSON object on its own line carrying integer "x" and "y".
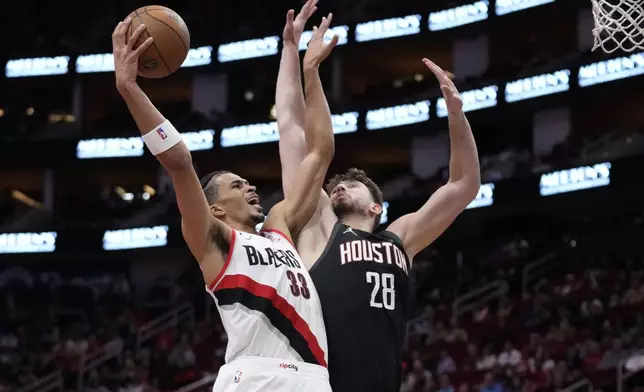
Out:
{"x": 437, "y": 71}
{"x": 432, "y": 67}
{"x": 314, "y": 36}
{"x": 146, "y": 44}
{"x": 333, "y": 43}
{"x": 311, "y": 12}
{"x": 118, "y": 39}
{"x": 116, "y": 30}
{"x": 306, "y": 8}
{"x": 319, "y": 31}
{"x": 289, "y": 17}
{"x": 124, "y": 27}
{"x": 325, "y": 23}
{"x": 444, "y": 75}
{"x": 135, "y": 36}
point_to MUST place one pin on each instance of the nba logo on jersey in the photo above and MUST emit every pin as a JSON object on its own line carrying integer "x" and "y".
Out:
{"x": 162, "y": 134}
{"x": 237, "y": 378}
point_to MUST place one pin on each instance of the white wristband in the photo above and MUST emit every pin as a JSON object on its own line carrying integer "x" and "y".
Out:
{"x": 162, "y": 138}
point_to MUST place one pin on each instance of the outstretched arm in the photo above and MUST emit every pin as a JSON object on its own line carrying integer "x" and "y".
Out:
{"x": 419, "y": 229}
{"x": 302, "y": 200}
{"x": 289, "y": 98}
{"x": 199, "y": 226}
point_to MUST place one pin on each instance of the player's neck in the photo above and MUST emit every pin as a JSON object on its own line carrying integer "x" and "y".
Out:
{"x": 357, "y": 222}
{"x": 243, "y": 227}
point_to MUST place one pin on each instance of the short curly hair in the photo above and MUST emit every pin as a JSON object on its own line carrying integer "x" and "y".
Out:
{"x": 358, "y": 175}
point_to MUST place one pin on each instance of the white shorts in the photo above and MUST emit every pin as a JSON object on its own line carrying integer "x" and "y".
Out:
{"x": 250, "y": 374}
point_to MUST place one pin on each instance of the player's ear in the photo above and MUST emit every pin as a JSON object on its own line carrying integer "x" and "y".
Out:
{"x": 375, "y": 208}
{"x": 217, "y": 211}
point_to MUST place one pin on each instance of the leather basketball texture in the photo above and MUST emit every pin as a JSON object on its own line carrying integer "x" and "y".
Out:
{"x": 171, "y": 40}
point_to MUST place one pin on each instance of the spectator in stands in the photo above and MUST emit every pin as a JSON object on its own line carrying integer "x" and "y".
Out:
{"x": 611, "y": 358}
{"x": 446, "y": 363}
{"x": 490, "y": 385}
{"x": 515, "y": 385}
{"x": 445, "y": 384}
{"x": 469, "y": 362}
{"x": 419, "y": 379}
{"x": 93, "y": 383}
{"x": 635, "y": 293}
{"x": 538, "y": 315}
{"x": 455, "y": 333}
{"x": 182, "y": 356}
{"x": 510, "y": 356}
{"x": 504, "y": 312}
{"x": 487, "y": 360}
{"x": 438, "y": 334}
{"x": 121, "y": 288}
{"x": 573, "y": 361}
{"x": 592, "y": 357}
{"x": 546, "y": 361}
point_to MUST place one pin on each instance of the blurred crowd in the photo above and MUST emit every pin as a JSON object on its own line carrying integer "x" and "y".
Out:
{"x": 88, "y": 325}
{"x": 576, "y": 316}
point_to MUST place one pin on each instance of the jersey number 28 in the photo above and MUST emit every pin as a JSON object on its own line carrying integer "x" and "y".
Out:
{"x": 383, "y": 284}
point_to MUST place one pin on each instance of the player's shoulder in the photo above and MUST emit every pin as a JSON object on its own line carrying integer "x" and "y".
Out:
{"x": 276, "y": 212}
{"x": 390, "y": 236}
{"x": 276, "y": 224}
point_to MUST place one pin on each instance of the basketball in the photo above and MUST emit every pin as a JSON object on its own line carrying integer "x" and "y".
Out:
{"x": 171, "y": 40}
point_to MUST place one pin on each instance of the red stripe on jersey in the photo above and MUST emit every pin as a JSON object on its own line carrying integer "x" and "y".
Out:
{"x": 287, "y": 238}
{"x": 268, "y": 292}
{"x": 231, "y": 247}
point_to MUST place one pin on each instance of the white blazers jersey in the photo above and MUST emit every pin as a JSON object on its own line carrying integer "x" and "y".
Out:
{"x": 267, "y": 301}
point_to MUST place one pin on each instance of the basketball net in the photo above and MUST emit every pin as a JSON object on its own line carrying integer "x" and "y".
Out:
{"x": 619, "y": 24}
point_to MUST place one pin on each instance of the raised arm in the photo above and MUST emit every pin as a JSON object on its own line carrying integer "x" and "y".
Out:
{"x": 289, "y": 98}
{"x": 199, "y": 226}
{"x": 419, "y": 229}
{"x": 302, "y": 200}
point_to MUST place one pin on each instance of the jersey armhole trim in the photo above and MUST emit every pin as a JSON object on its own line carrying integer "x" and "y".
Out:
{"x": 394, "y": 237}
{"x": 231, "y": 248}
{"x": 280, "y": 234}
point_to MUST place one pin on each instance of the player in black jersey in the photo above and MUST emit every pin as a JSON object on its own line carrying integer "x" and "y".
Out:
{"x": 362, "y": 277}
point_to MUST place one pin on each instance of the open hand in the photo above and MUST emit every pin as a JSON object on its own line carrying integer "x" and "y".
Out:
{"x": 294, "y": 28}
{"x": 318, "y": 50}
{"x": 450, "y": 93}
{"x": 126, "y": 58}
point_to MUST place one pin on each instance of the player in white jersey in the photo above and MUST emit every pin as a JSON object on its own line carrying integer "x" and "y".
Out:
{"x": 270, "y": 310}
{"x": 265, "y": 290}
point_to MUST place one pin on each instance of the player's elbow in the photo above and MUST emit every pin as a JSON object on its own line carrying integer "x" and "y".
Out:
{"x": 463, "y": 190}
{"x": 177, "y": 159}
{"x": 324, "y": 147}
{"x": 469, "y": 189}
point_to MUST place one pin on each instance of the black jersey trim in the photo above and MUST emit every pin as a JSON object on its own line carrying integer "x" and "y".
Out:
{"x": 329, "y": 243}
{"x": 243, "y": 290}
{"x": 398, "y": 242}
{"x": 392, "y": 236}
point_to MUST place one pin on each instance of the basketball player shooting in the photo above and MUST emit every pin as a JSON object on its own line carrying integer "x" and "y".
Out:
{"x": 362, "y": 277}
{"x": 267, "y": 302}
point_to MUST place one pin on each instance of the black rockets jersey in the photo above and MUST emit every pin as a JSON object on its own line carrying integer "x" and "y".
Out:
{"x": 364, "y": 287}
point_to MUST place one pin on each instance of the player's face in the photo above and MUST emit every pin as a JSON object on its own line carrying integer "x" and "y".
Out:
{"x": 237, "y": 198}
{"x": 351, "y": 197}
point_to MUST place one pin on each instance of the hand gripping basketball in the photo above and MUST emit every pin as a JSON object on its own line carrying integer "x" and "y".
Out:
{"x": 125, "y": 56}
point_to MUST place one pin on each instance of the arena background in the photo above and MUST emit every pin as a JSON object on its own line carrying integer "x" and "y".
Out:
{"x": 538, "y": 286}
